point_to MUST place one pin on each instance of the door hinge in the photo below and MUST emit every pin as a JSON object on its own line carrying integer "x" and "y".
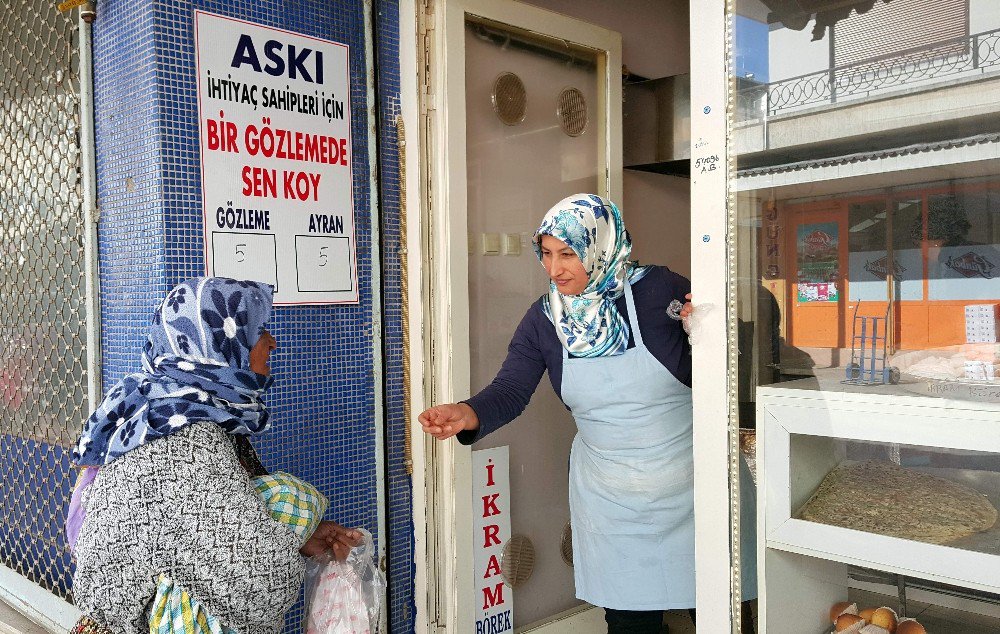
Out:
{"x": 426, "y": 25}
{"x": 426, "y": 20}
{"x": 429, "y": 17}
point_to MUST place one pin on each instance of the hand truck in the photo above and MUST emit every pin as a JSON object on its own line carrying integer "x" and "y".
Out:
{"x": 868, "y": 351}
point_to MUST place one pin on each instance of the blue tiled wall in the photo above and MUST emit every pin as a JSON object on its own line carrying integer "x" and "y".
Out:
{"x": 399, "y": 498}
{"x": 149, "y": 188}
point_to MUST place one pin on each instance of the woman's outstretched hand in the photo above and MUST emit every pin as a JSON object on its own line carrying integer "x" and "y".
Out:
{"x": 444, "y": 421}
{"x": 331, "y": 536}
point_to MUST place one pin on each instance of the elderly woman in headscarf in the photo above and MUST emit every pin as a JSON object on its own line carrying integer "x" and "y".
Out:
{"x": 176, "y": 526}
{"x": 611, "y": 335}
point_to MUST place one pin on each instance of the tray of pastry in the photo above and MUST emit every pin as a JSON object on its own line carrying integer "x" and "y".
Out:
{"x": 954, "y": 507}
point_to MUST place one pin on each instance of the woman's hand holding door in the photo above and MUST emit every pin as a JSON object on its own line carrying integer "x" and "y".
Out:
{"x": 682, "y": 311}
{"x": 444, "y": 421}
{"x": 686, "y": 311}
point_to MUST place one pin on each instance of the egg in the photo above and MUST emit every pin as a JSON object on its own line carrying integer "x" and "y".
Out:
{"x": 844, "y": 621}
{"x": 884, "y": 618}
{"x": 910, "y": 627}
{"x": 866, "y": 614}
{"x": 842, "y": 608}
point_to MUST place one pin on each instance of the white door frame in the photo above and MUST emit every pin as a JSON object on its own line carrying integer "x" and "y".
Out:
{"x": 716, "y": 448}
{"x": 450, "y": 585}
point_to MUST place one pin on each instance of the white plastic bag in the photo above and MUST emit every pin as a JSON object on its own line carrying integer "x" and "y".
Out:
{"x": 344, "y": 598}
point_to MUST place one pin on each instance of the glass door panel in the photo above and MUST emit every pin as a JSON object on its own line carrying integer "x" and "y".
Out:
{"x": 852, "y": 222}
{"x": 532, "y": 138}
{"x": 868, "y": 202}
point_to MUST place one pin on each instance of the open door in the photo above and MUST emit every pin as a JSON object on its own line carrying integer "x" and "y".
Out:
{"x": 524, "y": 109}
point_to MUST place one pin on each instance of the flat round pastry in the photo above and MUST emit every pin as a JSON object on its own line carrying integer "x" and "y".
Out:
{"x": 886, "y": 499}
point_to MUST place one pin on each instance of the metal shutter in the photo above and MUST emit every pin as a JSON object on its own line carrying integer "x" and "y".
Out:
{"x": 898, "y": 26}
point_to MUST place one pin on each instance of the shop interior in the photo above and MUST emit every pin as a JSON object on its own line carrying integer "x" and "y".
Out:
{"x": 868, "y": 252}
{"x": 533, "y": 133}
{"x": 868, "y": 206}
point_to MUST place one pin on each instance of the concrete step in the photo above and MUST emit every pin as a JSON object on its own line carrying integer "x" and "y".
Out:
{"x": 13, "y": 622}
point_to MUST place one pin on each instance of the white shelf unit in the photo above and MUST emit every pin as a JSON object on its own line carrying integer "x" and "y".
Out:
{"x": 803, "y": 565}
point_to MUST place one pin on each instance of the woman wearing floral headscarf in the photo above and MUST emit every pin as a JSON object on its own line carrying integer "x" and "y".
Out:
{"x": 175, "y": 525}
{"x": 610, "y": 334}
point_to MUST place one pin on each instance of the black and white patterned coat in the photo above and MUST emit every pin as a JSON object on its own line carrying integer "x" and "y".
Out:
{"x": 183, "y": 506}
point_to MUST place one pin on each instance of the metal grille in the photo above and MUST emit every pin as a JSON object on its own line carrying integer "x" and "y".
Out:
{"x": 572, "y": 112}
{"x": 566, "y": 544}
{"x": 958, "y": 59}
{"x": 517, "y": 560}
{"x": 889, "y": 29}
{"x": 42, "y": 312}
{"x": 510, "y": 100}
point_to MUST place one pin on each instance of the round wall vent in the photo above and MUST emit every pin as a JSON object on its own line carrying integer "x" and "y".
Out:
{"x": 572, "y": 112}
{"x": 517, "y": 560}
{"x": 510, "y": 101}
{"x": 566, "y": 544}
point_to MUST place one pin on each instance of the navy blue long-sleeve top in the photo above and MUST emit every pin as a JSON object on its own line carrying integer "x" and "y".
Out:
{"x": 535, "y": 348}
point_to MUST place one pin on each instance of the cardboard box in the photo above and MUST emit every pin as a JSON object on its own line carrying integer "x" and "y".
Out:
{"x": 982, "y": 323}
{"x": 980, "y": 371}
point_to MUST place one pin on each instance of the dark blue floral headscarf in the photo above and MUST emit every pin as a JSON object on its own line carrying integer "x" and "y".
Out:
{"x": 196, "y": 368}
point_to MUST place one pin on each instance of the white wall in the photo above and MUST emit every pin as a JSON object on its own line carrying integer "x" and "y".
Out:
{"x": 655, "y": 44}
{"x": 793, "y": 53}
{"x": 654, "y": 32}
{"x": 657, "y": 213}
{"x": 984, "y": 15}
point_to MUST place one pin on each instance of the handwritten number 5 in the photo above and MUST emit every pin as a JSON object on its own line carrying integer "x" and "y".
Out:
{"x": 322, "y": 256}
{"x": 240, "y": 253}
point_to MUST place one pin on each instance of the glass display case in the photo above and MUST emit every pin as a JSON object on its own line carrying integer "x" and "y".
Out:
{"x": 905, "y": 485}
{"x": 865, "y": 203}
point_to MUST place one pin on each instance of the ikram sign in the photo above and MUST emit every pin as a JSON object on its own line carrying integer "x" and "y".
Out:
{"x": 491, "y": 504}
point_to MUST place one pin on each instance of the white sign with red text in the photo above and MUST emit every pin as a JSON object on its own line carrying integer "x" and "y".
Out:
{"x": 274, "y": 115}
{"x": 491, "y": 506}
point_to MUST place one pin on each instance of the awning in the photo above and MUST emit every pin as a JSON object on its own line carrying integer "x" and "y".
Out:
{"x": 861, "y": 157}
{"x": 968, "y": 157}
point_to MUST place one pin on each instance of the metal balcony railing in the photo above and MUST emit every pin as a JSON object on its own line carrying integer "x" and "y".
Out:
{"x": 957, "y": 58}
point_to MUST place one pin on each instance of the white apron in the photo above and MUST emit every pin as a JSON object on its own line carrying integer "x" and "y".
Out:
{"x": 631, "y": 484}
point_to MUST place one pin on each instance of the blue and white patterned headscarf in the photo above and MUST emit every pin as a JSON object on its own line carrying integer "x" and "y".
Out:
{"x": 195, "y": 369}
{"x": 589, "y": 324}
